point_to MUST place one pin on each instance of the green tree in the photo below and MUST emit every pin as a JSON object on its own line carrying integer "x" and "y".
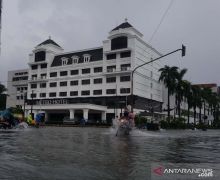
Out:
{"x": 188, "y": 95}
{"x": 2, "y": 97}
{"x": 196, "y": 100}
{"x": 180, "y": 89}
{"x": 168, "y": 76}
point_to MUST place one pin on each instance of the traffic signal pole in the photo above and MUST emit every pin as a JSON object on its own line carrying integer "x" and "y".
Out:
{"x": 183, "y": 49}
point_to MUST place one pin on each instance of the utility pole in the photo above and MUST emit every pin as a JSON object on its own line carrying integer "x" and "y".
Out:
{"x": 32, "y": 103}
{"x": 25, "y": 96}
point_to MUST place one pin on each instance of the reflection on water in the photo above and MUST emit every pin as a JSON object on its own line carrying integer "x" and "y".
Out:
{"x": 91, "y": 153}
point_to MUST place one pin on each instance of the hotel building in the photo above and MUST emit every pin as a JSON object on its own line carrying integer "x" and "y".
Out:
{"x": 94, "y": 83}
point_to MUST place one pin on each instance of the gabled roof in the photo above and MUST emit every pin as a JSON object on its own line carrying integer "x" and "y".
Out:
{"x": 122, "y": 26}
{"x": 49, "y": 41}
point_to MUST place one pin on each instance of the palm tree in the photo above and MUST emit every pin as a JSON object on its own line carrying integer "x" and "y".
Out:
{"x": 188, "y": 95}
{"x": 206, "y": 94}
{"x": 168, "y": 76}
{"x": 214, "y": 101}
{"x": 196, "y": 100}
{"x": 2, "y": 89}
{"x": 2, "y": 97}
{"x": 180, "y": 89}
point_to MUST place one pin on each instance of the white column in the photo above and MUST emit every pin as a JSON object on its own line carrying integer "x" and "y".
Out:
{"x": 35, "y": 113}
{"x": 72, "y": 113}
{"x": 103, "y": 116}
{"x": 46, "y": 116}
{"x": 85, "y": 114}
{"x": 26, "y": 113}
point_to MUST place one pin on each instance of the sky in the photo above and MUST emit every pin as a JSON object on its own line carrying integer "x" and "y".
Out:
{"x": 81, "y": 24}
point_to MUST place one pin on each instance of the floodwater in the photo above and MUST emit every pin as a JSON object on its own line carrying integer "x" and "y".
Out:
{"x": 96, "y": 153}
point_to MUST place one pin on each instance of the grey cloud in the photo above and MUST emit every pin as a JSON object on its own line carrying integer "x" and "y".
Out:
{"x": 77, "y": 24}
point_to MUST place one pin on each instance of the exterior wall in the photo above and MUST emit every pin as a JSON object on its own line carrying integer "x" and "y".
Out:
{"x": 15, "y": 95}
{"x": 146, "y": 78}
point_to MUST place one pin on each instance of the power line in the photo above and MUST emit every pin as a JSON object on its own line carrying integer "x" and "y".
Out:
{"x": 164, "y": 15}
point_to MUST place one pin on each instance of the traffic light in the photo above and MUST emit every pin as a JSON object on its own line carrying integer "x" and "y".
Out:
{"x": 183, "y": 50}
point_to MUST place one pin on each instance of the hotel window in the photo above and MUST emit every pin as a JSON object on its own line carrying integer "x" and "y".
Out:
{"x": 125, "y": 67}
{"x": 42, "y": 94}
{"x": 33, "y": 86}
{"x": 125, "y": 54}
{"x": 40, "y": 56}
{"x": 74, "y": 72}
{"x": 119, "y": 43}
{"x": 34, "y": 67}
{"x": 63, "y": 83}
{"x": 85, "y": 81}
{"x": 85, "y": 93}
{"x": 33, "y": 95}
{"x": 53, "y": 84}
{"x": 73, "y": 93}
{"x": 86, "y": 71}
{"x": 43, "y": 66}
{"x": 125, "y": 78}
{"x": 43, "y": 85}
{"x": 98, "y": 81}
{"x": 111, "y": 91}
{"x": 18, "y": 97}
{"x": 125, "y": 90}
{"x": 53, "y": 74}
{"x": 43, "y": 76}
{"x": 64, "y": 61}
{"x": 63, "y": 94}
{"x": 97, "y": 92}
{"x": 22, "y": 97}
{"x": 18, "y": 89}
{"x": 86, "y": 58}
{"x": 34, "y": 77}
{"x": 110, "y": 79}
{"x": 97, "y": 69}
{"x": 111, "y": 68}
{"x": 63, "y": 73}
{"x": 25, "y": 88}
{"x": 52, "y": 94}
{"x": 111, "y": 56}
{"x": 75, "y": 59}
{"x": 74, "y": 83}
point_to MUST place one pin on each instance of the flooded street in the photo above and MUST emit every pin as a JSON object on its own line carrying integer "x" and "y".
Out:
{"x": 96, "y": 153}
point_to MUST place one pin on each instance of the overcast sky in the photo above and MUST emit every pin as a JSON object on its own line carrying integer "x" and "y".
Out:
{"x": 80, "y": 24}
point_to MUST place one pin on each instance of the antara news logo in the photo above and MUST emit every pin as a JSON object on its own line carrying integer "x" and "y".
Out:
{"x": 200, "y": 172}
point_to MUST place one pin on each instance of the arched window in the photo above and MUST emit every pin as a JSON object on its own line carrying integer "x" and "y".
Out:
{"x": 75, "y": 59}
{"x": 86, "y": 58}
{"x": 64, "y": 61}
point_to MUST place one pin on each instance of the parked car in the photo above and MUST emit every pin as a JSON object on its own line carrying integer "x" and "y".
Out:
{"x": 67, "y": 120}
{"x": 91, "y": 122}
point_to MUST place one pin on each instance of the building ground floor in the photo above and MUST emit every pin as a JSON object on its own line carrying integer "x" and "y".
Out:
{"x": 90, "y": 108}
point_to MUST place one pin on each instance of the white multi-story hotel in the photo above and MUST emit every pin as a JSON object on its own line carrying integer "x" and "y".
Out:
{"x": 93, "y": 83}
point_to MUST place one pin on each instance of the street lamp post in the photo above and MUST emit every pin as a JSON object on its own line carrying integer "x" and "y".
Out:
{"x": 32, "y": 104}
{"x": 183, "y": 49}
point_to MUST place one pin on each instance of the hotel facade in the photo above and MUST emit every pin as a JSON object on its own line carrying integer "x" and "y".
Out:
{"x": 90, "y": 83}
